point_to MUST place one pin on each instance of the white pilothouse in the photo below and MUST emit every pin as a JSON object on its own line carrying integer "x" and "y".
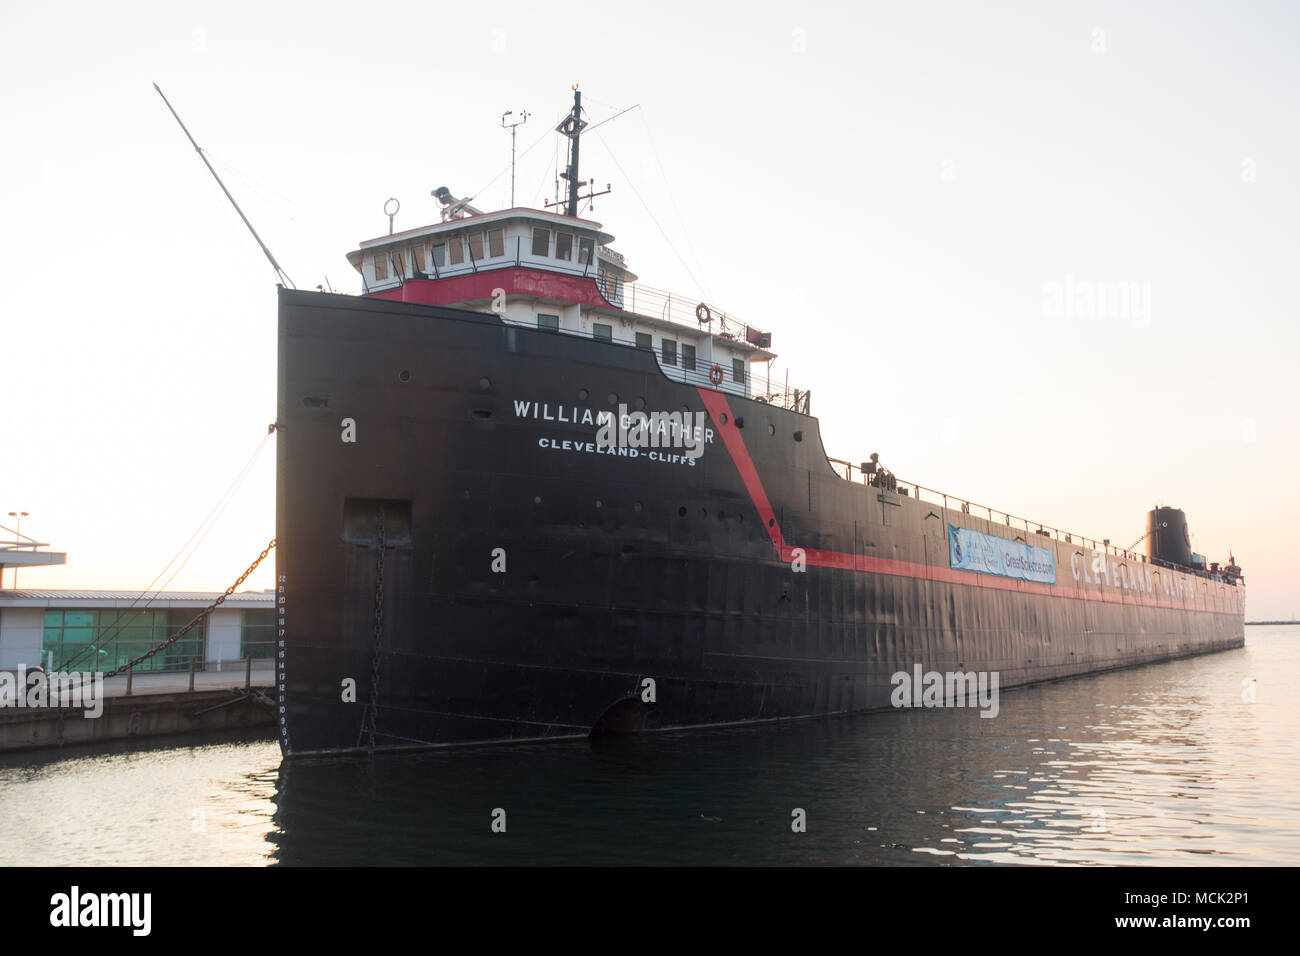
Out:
{"x": 553, "y": 270}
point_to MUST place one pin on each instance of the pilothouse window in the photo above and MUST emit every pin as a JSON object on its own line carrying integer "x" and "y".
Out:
{"x": 585, "y": 247}
{"x": 381, "y": 266}
{"x": 688, "y": 357}
{"x": 476, "y": 246}
{"x": 496, "y": 242}
{"x": 738, "y": 370}
{"x": 456, "y": 247}
{"x": 564, "y": 245}
{"x": 541, "y": 241}
{"x": 669, "y": 349}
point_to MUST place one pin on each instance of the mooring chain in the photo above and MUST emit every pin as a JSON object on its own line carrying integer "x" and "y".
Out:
{"x": 201, "y": 615}
{"x": 372, "y": 708}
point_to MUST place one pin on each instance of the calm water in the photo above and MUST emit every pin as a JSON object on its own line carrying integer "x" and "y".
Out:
{"x": 1164, "y": 764}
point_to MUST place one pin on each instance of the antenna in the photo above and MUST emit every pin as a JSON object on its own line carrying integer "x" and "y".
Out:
{"x": 280, "y": 273}
{"x": 523, "y": 118}
{"x": 572, "y": 127}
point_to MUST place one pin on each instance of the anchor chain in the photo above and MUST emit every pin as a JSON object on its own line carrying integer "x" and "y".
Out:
{"x": 368, "y": 728}
{"x": 122, "y": 669}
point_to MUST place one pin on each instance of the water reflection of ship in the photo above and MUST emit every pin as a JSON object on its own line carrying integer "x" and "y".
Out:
{"x": 1073, "y": 771}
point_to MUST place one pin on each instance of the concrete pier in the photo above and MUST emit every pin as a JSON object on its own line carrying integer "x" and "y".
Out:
{"x": 157, "y": 705}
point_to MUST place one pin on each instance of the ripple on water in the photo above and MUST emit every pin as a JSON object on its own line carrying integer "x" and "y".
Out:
{"x": 1156, "y": 765}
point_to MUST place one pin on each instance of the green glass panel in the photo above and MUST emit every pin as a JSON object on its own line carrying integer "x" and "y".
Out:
{"x": 257, "y": 636}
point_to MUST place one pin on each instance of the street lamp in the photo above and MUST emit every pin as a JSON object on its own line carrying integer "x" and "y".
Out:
{"x": 18, "y": 532}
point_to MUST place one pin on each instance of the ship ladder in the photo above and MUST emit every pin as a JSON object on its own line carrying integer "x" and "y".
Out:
{"x": 368, "y": 729}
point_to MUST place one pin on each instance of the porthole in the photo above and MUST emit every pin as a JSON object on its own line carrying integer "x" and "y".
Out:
{"x": 637, "y": 506}
{"x": 681, "y": 512}
{"x": 583, "y": 394}
{"x": 798, "y": 436}
{"x": 485, "y": 383}
{"x": 640, "y": 403}
{"x": 537, "y": 499}
{"x": 612, "y": 398}
{"x": 599, "y": 503}
{"x": 740, "y": 423}
{"x": 771, "y": 522}
{"x": 404, "y": 376}
{"x": 723, "y": 418}
{"x": 771, "y": 429}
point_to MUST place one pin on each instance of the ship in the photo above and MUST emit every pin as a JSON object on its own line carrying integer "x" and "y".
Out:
{"x": 523, "y": 497}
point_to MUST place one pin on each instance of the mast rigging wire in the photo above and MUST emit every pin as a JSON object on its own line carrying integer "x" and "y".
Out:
{"x": 210, "y": 522}
{"x": 654, "y": 219}
{"x": 280, "y": 273}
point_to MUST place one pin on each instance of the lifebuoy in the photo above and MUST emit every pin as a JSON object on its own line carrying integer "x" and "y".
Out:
{"x": 702, "y": 314}
{"x": 715, "y": 375}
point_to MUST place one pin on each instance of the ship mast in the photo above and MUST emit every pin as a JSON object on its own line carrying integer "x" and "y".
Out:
{"x": 572, "y": 127}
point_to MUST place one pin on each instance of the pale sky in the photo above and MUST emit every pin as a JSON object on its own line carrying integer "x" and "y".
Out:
{"x": 934, "y": 207}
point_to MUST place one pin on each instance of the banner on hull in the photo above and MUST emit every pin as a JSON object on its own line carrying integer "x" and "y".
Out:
{"x": 970, "y": 550}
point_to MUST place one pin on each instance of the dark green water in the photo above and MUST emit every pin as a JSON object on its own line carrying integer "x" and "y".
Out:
{"x": 1166, "y": 764}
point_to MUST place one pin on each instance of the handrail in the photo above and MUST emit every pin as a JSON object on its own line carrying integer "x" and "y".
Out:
{"x": 633, "y": 297}
{"x": 766, "y": 391}
{"x": 964, "y": 506}
{"x": 16, "y": 544}
{"x": 681, "y": 310}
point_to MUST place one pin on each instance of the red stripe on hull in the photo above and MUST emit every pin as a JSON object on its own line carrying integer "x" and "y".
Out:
{"x": 720, "y": 412}
{"x": 725, "y": 421}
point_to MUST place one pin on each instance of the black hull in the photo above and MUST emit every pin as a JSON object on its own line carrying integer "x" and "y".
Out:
{"x": 621, "y": 569}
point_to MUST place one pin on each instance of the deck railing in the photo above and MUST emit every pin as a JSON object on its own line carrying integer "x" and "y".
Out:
{"x": 764, "y": 384}
{"x": 847, "y": 470}
{"x": 685, "y": 310}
